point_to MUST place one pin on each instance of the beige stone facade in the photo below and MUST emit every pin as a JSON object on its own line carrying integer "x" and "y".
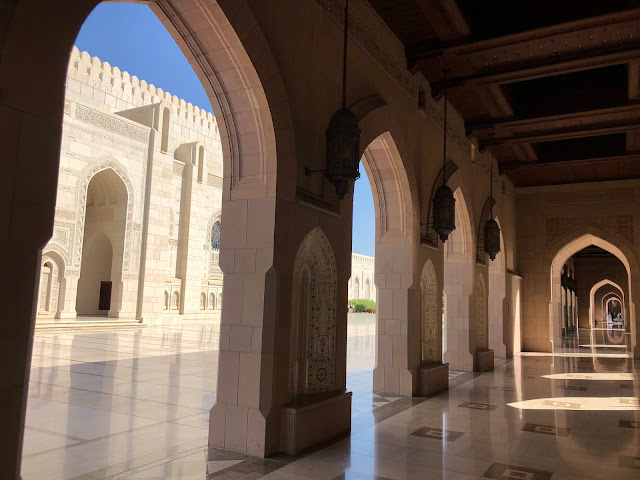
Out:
{"x": 362, "y": 281}
{"x": 138, "y": 201}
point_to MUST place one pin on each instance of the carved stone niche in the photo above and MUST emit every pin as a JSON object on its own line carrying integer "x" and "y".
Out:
{"x": 433, "y": 375}
{"x": 317, "y": 411}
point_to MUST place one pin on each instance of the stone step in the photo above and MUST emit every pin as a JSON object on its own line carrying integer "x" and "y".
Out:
{"x": 43, "y": 325}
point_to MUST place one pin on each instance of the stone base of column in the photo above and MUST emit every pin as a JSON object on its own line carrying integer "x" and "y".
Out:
{"x": 308, "y": 420}
{"x": 433, "y": 378}
{"x": 484, "y": 361}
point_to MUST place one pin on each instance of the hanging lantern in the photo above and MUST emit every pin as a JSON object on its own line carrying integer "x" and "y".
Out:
{"x": 444, "y": 203}
{"x": 343, "y": 135}
{"x": 491, "y": 228}
{"x": 343, "y": 150}
{"x": 444, "y": 212}
{"x": 492, "y": 238}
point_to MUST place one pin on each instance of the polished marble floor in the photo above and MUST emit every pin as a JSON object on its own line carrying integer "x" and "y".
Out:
{"x": 133, "y": 403}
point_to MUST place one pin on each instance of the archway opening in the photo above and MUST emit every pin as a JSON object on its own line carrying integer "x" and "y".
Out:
{"x": 157, "y": 261}
{"x": 392, "y": 236}
{"x": 95, "y": 285}
{"x": 583, "y": 273}
{"x": 99, "y": 284}
{"x": 362, "y": 294}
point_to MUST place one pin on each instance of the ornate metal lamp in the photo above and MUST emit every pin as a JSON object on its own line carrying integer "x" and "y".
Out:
{"x": 444, "y": 204}
{"x": 343, "y": 135}
{"x": 491, "y": 228}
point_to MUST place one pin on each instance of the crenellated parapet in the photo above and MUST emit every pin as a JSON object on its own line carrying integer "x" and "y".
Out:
{"x": 134, "y": 92}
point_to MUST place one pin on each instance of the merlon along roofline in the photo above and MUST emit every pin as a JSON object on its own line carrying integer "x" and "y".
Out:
{"x": 98, "y": 74}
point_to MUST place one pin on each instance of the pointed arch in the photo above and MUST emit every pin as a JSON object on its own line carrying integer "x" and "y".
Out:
{"x": 564, "y": 248}
{"x": 393, "y": 183}
{"x": 313, "y": 320}
{"x": 212, "y": 301}
{"x": 592, "y": 300}
{"x": 459, "y": 246}
{"x": 430, "y": 338}
{"x": 58, "y": 282}
{"x": 82, "y": 187}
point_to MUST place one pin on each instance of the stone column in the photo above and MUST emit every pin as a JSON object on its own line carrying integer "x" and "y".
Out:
{"x": 26, "y": 224}
{"x": 68, "y": 308}
{"x": 397, "y": 318}
{"x": 459, "y": 291}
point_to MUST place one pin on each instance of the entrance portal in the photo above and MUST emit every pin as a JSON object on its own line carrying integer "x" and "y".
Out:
{"x": 103, "y": 246}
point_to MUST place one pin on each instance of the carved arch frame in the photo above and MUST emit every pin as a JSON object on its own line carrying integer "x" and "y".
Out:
{"x": 131, "y": 253}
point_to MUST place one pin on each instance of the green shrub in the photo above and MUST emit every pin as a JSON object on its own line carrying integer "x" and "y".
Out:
{"x": 362, "y": 306}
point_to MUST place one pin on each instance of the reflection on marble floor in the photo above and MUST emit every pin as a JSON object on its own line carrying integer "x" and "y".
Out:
{"x": 133, "y": 403}
{"x": 613, "y": 341}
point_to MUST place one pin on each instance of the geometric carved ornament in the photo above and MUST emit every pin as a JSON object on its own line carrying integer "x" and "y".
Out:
{"x": 431, "y": 318}
{"x": 481, "y": 315}
{"x": 313, "y": 317}
{"x": 622, "y": 225}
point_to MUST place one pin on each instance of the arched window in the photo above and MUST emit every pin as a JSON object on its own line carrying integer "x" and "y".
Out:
{"x": 356, "y": 289}
{"x": 212, "y": 301}
{"x": 220, "y": 302}
{"x": 175, "y": 301}
{"x": 166, "y": 300}
{"x": 215, "y": 236}
{"x": 203, "y": 301}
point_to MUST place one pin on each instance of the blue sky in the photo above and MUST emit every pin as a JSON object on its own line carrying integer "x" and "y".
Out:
{"x": 132, "y": 38}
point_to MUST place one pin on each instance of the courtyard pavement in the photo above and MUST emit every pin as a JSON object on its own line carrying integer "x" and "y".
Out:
{"x": 134, "y": 403}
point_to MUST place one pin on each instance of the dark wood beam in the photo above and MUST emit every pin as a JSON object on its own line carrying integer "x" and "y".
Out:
{"x": 516, "y": 165}
{"x": 580, "y": 45}
{"x": 622, "y": 167}
{"x": 558, "y": 127}
{"x": 446, "y": 19}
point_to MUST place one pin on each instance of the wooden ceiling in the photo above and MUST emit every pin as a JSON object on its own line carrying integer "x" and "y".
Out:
{"x": 550, "y": 88}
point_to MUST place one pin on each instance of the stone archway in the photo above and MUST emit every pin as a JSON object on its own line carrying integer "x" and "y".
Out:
{"x": 396, "y": 206}
{"x": 103, "y": 240}
{"x": 242, "y": 79}
{"x": 596, "y": 308}
{"x": 52, "y": 291}
{"x": 561, "y": 251}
